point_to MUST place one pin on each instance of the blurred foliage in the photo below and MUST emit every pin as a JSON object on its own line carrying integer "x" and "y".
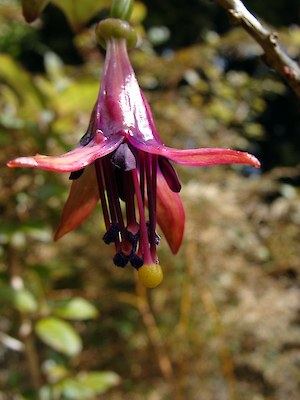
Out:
{"x": 225, "y": 322}
{"x": 188, "y": 23}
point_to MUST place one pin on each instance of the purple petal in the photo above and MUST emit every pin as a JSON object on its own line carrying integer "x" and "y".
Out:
{"x": 73, "y": 160}
{"x": 169, "y": 174}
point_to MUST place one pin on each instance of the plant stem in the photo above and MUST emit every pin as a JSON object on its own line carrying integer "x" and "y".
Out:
{"x": 274, "y": 55}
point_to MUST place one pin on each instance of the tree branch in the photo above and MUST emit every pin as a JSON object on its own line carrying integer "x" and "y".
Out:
{"x": 274, "y": 56}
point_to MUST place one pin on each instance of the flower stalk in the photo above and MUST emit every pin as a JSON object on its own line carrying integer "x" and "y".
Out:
{"x": 121, "y": 9}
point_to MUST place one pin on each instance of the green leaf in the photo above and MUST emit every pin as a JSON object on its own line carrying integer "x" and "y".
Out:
{"x": 87, "y": 385}
{"x": 72, "y": 389}
{"x": 79, "y": 95}
{"x": 22, "y": 299}
{"x": 77, "y": 308}
{"x": 26, "y": 95}
{"x": 33, "y": 8}
{"x": 99, "y": 381}
{"x": 78, "y": 12}
{"x": 55, "y": 371}
{"x": 59, "y": 335}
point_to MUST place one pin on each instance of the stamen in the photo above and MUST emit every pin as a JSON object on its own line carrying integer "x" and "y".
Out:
{"x": 157, "y": 237}
{"x": 129, "y": 199}
{"x": 110, "y": 216}
{"x": 134, "y": 239}
{"x": 136, "y": 261}
{"x": 151, "y": 172}
{"x": 144, "y": 242}
{"x": 121, "y": 187}
{"x": 113, "y": 198}
{"x": 120, "y": 259}
{"x": 142, "y": 177}
{"x": 132, "y": 228}
{"x": 101, "y": 188}
{"x": 112, "y": 234}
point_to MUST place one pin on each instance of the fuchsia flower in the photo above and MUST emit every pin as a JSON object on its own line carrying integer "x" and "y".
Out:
{"x": 121, "y": 159}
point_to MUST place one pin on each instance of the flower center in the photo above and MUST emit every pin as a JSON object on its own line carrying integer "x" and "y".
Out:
{"x": 127, "y": 184}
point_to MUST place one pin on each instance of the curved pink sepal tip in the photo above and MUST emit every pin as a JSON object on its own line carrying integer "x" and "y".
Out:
{"x": 74, "y": 160}
{"x": 196, "y": 157}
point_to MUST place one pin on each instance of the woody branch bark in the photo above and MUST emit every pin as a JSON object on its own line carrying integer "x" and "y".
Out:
{"x": 274, "y": 56}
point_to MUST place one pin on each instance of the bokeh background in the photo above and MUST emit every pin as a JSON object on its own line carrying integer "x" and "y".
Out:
{"x": 224, "y": 324}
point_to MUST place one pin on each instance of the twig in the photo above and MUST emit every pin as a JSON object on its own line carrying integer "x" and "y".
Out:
{"x": 225, "y": 356}
{"x": 274, "y": 55}
{"x": 164, "y": 362}
{"x": 26, "y": 335}
{"x": 210, "y": 306}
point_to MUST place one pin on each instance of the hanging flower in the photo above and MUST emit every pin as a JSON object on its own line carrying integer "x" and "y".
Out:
{"x": 121, "y": 158}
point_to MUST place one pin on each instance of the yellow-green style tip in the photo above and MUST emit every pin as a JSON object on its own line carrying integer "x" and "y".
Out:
{"x": 150, "y": 275}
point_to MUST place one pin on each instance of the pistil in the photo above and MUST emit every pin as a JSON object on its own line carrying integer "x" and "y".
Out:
{"x": 113, "y": 197}
{"x": 151, "y": 174}
{"x": 144, "y": 241}
{"x": 101, "y": 188}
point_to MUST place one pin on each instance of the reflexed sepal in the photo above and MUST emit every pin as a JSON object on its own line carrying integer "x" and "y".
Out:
{"x": 82, "y": 200}
{"x": 170, "y": 219}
